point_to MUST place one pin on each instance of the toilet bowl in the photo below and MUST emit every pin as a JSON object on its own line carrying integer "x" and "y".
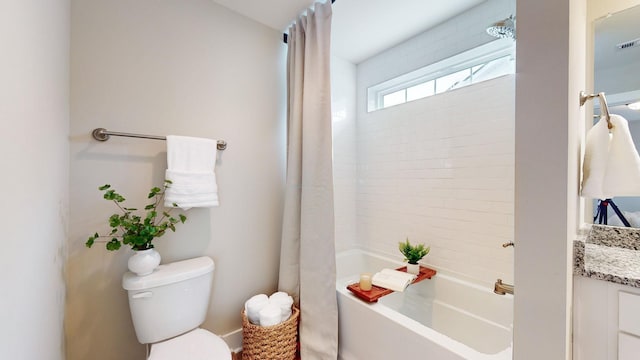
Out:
{"x": 167, "y": 308}
{"x": 198, "y": 344}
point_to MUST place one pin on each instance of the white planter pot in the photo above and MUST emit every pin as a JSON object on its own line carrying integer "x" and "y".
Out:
{"x": 413, "y": 269}
{"x": 143, "y": 262}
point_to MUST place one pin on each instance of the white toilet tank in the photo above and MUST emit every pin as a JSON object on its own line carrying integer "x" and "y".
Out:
{"x": 170, "y": 301}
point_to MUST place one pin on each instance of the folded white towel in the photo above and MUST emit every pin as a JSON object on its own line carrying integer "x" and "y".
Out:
{"x": 392, "y": 279}
{"x": 611, "y": 163}
{"x": 190, "y": 168}
{"x": 253, "y": 306}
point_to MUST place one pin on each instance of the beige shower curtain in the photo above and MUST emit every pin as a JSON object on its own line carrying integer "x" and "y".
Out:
{"x": 307, "y": 257}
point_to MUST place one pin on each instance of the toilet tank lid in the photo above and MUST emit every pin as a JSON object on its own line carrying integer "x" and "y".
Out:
{"x": 169, "y": 273}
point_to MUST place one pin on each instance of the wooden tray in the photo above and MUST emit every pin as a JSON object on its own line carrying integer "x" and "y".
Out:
{"x": 377, "y": 292}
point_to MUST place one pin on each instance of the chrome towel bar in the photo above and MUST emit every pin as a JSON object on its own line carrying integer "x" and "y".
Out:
{"x": 604, "y": 108}
{"x": 102, "y": 134}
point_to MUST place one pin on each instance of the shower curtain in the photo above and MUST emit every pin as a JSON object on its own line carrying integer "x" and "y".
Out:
{"x": 307, "y": 256}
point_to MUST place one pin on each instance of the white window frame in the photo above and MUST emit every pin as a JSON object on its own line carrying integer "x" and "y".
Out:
{"x": 479, "y": 55}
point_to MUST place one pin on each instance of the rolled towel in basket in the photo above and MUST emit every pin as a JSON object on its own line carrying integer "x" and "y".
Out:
{"x": 270, "y": 315}
{"x": 253, "y": 306}
{"x": 277, "y": 296}
{"x": 284, "y": 301}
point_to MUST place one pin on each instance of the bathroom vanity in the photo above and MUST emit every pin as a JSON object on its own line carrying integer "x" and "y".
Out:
{"x": 607, "y": 294}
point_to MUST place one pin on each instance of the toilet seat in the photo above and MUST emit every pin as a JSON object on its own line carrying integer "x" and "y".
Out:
{"x": 198, "y": 344}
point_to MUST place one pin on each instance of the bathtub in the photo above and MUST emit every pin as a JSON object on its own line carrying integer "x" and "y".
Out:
{"x": 444, "y": 318}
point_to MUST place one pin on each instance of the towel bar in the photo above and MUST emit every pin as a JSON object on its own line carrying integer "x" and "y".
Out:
{"x": 102, "y": 134}
{"x": 604, "y": 108}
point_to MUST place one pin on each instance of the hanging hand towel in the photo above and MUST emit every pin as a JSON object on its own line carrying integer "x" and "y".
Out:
{"x": 595, "y": 160}
{"x": 622, "y": 177}
{"x": 190, "y": 168}
{"x": 611, "y": 163}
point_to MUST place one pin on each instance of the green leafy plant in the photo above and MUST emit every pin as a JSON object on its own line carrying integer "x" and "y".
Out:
{"x": 135, "y": 230}
{"x": 413, "y": 254}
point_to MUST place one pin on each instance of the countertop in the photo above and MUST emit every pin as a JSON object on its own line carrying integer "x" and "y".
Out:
{"x": 609, "y": 253}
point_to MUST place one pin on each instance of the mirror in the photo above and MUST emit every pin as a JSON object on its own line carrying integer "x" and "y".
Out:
{"x": 616, "y": 73}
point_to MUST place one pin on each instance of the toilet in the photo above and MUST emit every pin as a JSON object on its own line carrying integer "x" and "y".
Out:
{"x": 167, "y": 308}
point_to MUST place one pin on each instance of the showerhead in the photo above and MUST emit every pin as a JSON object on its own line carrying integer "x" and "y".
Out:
{"x": 503, "y": 29}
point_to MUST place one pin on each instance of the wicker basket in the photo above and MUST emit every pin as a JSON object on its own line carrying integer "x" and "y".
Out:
{"x": 277, "y": 342}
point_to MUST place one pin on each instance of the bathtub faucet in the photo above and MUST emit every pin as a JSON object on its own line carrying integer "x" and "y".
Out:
{"x": 501, "y": 288}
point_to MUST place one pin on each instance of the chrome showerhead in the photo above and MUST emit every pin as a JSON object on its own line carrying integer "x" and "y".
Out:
{"x": 503, "y": 29}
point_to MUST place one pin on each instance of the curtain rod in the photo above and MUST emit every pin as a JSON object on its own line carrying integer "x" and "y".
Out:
{"x": 102, "y": 134}
{"x": 285, "y": 36}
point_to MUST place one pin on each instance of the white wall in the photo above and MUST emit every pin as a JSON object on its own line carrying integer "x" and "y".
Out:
{"x": 172, "y": 67}
{"x": 34, "y": 123}
{"x": 616, "y": 80}
{"x": 431, "y": 171}
{"x": 550, "y": 72}
{"x": 440, "y": 170}
{"x": 597, "y": 9}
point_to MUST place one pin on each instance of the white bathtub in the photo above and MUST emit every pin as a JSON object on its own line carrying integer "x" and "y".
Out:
{"x": 440, "y": 319}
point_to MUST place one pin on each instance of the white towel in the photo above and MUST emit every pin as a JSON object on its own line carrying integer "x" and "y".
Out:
{"x": 284, "y": 301}
{"x": 253, "y": 306}
{"x": 594, "y": 166}
{"x": 611, "y": 164}
{"x": 190, "y": 167}
{"x": 270, "y": 315}
{"x": 623, "y": 167}
{"x": 392, "y": 279}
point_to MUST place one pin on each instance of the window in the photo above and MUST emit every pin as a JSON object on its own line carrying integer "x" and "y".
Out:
{"x": 421, "y": 90}
{"x": 395, "y": 98}
{"x": 451, "y": 81}
{"x": 482, "y": 63}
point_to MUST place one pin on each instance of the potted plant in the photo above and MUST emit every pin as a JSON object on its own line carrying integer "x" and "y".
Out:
{"x": 413, "y": 254}
{"x": 138, "y": 231}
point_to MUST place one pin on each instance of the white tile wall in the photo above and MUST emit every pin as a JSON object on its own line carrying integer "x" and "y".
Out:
{"x": 440, "y": 170}
{"x": 343, "y": 104}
